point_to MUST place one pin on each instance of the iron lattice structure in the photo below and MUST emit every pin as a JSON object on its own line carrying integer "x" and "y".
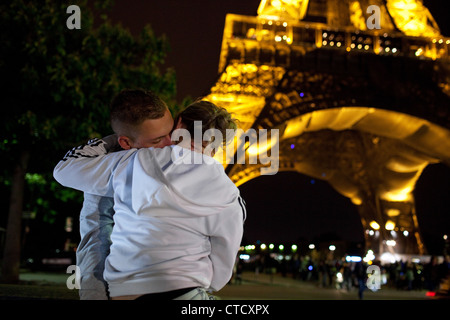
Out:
{"x": 364, "y": 109}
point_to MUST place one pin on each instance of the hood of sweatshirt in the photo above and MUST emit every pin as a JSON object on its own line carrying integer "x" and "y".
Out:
{"x": 174, "y": 181}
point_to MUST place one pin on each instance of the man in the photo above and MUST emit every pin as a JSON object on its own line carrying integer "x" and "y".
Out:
{"x": 178, "y": 217}
{"x": 140, "y": 119}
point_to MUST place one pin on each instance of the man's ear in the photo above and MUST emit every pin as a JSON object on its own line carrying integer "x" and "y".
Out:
{"x": 178, "y": 125}
{"x": 125, "y": 142}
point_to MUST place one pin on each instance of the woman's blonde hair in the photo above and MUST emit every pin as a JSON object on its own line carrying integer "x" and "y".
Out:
{"x": 211, "y": 117}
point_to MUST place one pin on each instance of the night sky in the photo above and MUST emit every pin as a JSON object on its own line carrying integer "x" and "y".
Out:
{"x": 286, "y": 207}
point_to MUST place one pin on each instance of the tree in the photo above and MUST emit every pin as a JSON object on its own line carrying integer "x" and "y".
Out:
{"x": 56, "y": 87}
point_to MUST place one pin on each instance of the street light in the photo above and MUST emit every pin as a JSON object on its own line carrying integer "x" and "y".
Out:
{"x": 390, "y": 225}
{"x": 374, "y": 225}
{"x": 391, "y": 243}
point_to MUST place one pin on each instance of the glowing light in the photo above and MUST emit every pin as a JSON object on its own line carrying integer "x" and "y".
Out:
{"x": 292, "y": 146}
{"x": 281, "y": 247}
{"x": 250, "y": 247}
{"x": 369, "y": 256}
{"x": 391, "y": 243}
{"x": 353, "y": 259}
{"x": 405, "y": 233}
{"x": 311, "y": 246}
{"x": 374, "y": 225}
{"x": 357, "y": 16}
{"x": 244, "y": 256}
{"x": 393, "y": 212}
{"x": 390, "y": 225}
{"x": 265, "y": 143}
{"x": 263, "y": 246}
{"x": 294, "y": 248}
{"x": 288, "y": 9}
{"x": 412, "y": 18}
{"x": 332, "y": 247}
{"x": 276, "y": 3}
{"x": 271, "y": 246}
{"x": 389, "y": 257}
{"x": 399, "y": 195}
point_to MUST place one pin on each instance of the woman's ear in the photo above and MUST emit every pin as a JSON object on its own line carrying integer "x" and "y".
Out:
{"x": 125, "y": 142}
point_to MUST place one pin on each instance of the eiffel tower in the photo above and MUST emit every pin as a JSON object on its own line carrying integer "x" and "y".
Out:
{"x": 359, "y": 93}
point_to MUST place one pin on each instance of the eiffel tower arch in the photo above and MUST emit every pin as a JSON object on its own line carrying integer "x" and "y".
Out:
{"x": 359, "y": 95}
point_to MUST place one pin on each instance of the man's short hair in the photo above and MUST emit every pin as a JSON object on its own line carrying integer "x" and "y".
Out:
{"x": 131, "y": 107}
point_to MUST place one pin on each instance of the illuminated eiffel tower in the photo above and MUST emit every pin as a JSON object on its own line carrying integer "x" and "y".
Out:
{"x": 360, "y": 95}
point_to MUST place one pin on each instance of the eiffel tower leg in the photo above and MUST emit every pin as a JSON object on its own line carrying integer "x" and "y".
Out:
{"x": 420, "y": 245}
{"x": 396, "y": 230}
{"x": 375, "y": 235}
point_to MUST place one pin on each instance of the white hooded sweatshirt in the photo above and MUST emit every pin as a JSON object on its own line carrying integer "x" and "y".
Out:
{"x": 178, "y": 217}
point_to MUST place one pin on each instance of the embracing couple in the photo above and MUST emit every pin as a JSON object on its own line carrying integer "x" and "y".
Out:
{"x": 160, "y": 218}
